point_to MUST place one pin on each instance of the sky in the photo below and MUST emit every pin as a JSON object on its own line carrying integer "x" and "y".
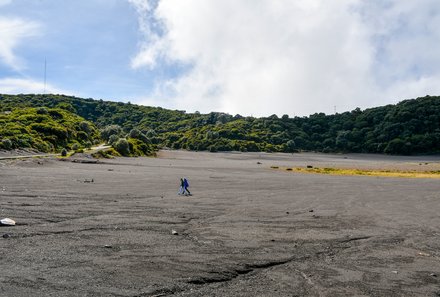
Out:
{"x": 248, "y": 57}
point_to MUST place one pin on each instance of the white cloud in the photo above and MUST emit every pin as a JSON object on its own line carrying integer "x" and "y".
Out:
{"x": 295, "y": 57}
{"x": 14, "y": 31}
{"x": 26, "y": 86}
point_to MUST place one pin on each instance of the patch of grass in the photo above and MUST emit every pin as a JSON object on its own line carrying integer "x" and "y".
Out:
{"x": 365, "y": 172}
{"x": 109, "y": 153}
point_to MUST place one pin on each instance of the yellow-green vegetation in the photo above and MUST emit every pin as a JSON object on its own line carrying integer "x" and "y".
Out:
{"x": 44, "y": 129}
{"x": 366, "y": 172}
{"x": 106, "y": 154}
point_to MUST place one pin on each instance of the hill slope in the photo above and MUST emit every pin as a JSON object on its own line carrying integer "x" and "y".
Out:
{"x": 44, "y": 129}
{"x": 409, "y": 127}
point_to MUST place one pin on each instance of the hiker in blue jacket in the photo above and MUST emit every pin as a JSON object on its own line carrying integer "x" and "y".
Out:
{"x": 185, "y": 186}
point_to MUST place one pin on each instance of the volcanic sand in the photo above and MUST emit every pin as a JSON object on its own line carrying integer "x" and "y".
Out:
{"x": 105, "y": 229}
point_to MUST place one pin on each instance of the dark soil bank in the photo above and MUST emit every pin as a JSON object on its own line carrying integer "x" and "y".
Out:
{"x": 106, "y": 229}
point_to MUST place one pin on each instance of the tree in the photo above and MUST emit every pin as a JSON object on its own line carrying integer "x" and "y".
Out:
{"x": 122, "y": 146}
{"x": 111, "y": 130}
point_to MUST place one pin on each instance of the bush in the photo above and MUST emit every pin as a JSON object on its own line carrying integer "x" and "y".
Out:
{"x": 122, "y": 146}
{"x": 110, "y": 130}
{"x": 112, "y": 139}
{"x": 107, "y": 154}
{"x": 7, "y": 144}
{"x": 75, "y": 146}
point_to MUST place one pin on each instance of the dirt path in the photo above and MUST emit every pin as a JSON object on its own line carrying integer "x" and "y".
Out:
{"x": 106, "y": 229}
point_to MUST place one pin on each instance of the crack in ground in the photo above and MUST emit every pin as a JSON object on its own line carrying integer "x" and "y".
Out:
{"x": 226, "y": 276}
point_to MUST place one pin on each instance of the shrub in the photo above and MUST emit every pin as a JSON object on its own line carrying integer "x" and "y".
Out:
{"x": 42, "y": 110}
{"x": 75, "y": 146}
{"x": 64, "y": 152}
{"x": 7, "y": 144}
{"x": 112, "y": 139}
{"x": 110, "y": 130}
{"x": 122, "y": 146}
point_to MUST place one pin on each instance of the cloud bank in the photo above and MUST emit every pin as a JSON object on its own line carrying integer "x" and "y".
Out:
{"x": 290, "y": 57}
{"x": 27, "y": 86}
{"x": 13, "y": 32}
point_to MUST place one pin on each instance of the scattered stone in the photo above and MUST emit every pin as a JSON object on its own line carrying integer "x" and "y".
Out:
{"x": 110, "y": 169}
{"x": 6, "y": 235}
{"x": 174, "y": 232}
{"x": 272, "y": 240}
{"x": 287, "y": 212}
{"x": 394, "y": 271}
{"x": 259, "y": 163}
{"x": 424, "y": 254}
{"x": 309, "y": 166}
{"x": 289, "y": 169}
{"x": 433, "y": 275}
{"x": 311, "y": 210}
{"x": 7, "y": 222}
{"x": 108, "y": 246}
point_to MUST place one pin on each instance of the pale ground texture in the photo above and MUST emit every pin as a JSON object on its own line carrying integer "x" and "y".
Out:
{"x": 105, "y": 229}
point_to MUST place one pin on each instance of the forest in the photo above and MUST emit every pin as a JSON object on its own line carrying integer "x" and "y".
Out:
{"x": 409, "y": 127}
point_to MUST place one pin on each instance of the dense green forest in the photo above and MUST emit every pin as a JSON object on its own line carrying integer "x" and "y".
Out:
{"x": 409, "y": 127}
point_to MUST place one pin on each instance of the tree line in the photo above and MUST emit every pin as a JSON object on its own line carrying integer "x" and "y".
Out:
{"x": 409, "y": 127}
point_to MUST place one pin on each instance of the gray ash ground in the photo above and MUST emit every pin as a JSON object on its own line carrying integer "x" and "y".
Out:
{"x": 105, "y": 229}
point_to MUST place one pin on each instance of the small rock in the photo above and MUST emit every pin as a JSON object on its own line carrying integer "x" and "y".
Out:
{"x": 433, "y": 275}
{"x": 6, "y": 235}
{"x": 287, "y": 212}
{"x": 394, "y": 271}
{"x": 309, "y": 166}
{"x": 110, "y": 169}
{"x": 174, "y": 232}
{"x": 272, "y": 240}
{"x": 108, "y": 246}
{"x": 7, "y": 222}
{"x": 311, "y": 210}
{"x": 258, "y": 163}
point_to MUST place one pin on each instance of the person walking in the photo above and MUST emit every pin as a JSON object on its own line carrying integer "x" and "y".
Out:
{"x": 182, "y": 187}
{"x": 186, "y": 186}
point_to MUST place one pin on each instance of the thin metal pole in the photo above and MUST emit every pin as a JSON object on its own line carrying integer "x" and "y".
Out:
{"x": 45, "y": 66}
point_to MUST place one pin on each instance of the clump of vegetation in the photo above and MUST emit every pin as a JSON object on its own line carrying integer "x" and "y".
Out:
{"x": 365, "y": 172}
{"x": 6, "y": 144}
{"x": 122, "y": 147}
{"x": 106, "y": 154}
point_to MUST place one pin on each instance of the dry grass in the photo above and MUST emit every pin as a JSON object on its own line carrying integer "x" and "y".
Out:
{"x": 365, "y": 172}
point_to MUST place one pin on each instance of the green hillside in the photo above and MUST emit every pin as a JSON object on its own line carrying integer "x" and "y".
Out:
{"x": 409, "y": 127}
{"x": 45, "y": 129}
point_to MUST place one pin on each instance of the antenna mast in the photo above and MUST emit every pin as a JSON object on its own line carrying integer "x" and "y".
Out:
{"x": 45, "y": 66}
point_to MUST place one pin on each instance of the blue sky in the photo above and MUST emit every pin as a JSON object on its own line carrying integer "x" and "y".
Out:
{"x": 256, "y": 57}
